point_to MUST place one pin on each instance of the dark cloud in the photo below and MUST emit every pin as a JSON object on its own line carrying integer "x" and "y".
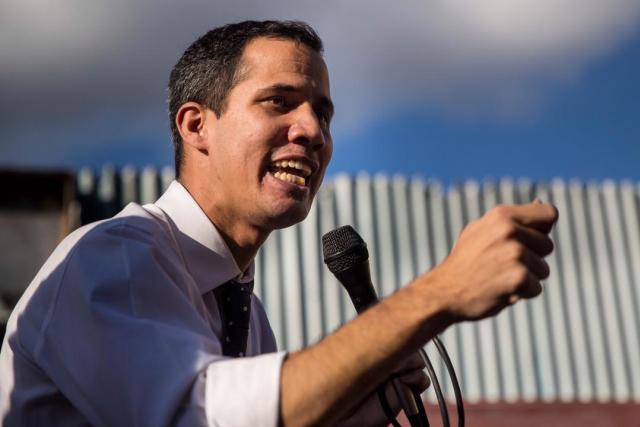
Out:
{"x": 72, "y": 65}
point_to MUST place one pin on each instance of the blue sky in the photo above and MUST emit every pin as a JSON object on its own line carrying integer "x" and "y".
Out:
{"x": 588, "y": 130}
{"x": 451, "y": 90}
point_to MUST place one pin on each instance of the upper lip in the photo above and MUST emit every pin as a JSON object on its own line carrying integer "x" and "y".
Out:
{"x": 312, "y": 164}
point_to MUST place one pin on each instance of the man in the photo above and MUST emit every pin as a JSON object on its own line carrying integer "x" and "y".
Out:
{"x": 124, "y": 323}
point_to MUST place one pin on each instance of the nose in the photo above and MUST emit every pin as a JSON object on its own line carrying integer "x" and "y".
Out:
{"x": 306, "y": 129}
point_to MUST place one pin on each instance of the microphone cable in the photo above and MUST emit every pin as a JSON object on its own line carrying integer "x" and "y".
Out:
{"x": 386, "y": 408}
{"x": 423, "y": 419}
{"x": 418, "y": 420}
{"x": 347, "y": 257}
{"x": 442, "y": 404}
{"x": 421, "y": 411}
{"x": 454, "y": 379}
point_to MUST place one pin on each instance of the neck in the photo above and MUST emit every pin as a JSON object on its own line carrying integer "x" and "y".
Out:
{"x": 243, "y": 243}
{"x": 242, "y": 238}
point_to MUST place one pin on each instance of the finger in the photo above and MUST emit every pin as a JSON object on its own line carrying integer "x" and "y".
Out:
{"x": 535, "y": 240}
{"x": 540, "y": 216}
{"x": 416, "y": 380}
{"x": 535, "y": 264}
{"x": 411, "y": 363}
{"x": 530, "y": 288}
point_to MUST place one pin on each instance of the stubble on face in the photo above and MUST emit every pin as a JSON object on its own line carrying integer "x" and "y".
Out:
{"x": 255, "y": 130}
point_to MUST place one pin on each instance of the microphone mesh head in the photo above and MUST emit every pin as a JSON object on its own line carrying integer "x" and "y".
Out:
{"x": 342, "y": 248}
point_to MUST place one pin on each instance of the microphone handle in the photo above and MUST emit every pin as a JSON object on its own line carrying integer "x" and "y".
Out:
{"x": 363, "y": 295}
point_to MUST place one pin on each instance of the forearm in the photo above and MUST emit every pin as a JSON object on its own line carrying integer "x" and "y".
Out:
{"x": 322, "y": 382}
{"x": 497, "y": 260}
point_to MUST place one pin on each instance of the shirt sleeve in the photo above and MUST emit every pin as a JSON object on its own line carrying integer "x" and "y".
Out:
{"x": 251, "y": 381}
{"x": 128, "y": 344}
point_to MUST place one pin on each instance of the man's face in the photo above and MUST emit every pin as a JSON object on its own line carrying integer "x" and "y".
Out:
{"x": 270, "y": 147}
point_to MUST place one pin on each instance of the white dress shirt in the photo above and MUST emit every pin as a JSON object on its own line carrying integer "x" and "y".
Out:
{"x": 120, "y": 328}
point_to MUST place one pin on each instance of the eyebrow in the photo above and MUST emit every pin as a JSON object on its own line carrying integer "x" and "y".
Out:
{"x": 281, "y": 87}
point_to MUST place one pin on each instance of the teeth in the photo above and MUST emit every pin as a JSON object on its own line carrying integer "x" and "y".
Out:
{"x": 288, "y": 177}
{"x": 306, "y": 170}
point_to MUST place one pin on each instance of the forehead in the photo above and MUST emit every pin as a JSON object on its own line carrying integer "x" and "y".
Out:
{"x": 270, "y": 60}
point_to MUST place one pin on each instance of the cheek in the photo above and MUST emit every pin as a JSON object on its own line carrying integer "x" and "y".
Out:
{"x": 322, "y": 172}
{"x": 255, "y": 148}
{"x": 263, "y": 132}
{"x": 327, "y": 152}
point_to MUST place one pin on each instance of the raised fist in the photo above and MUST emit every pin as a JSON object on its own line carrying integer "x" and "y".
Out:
{"x": 497, "y": 260}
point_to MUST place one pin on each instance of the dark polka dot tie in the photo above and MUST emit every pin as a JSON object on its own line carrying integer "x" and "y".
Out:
{"x": 234, "y": 301}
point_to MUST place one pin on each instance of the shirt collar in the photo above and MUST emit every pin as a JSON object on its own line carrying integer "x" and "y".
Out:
{"x": 208, "y": 258}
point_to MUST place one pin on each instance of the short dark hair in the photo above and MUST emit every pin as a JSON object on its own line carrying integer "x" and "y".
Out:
{"x": 208, "y": 69}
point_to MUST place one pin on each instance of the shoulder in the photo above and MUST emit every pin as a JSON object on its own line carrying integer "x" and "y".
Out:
{"x": 133, "y": 221}
{"x": 134, "y": 224}
{"x": 111, "y": 251}
{"x": 91, "y": 264}
{"x": 132, "y": 240}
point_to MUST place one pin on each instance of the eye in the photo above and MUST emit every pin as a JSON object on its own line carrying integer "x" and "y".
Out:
{"x": 323, "y": 119}
{"x": 277, "y": 100}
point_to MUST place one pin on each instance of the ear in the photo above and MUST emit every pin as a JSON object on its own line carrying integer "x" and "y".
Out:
{"x": 190, "y": 121}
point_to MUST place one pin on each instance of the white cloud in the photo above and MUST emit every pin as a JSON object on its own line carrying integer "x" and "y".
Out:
{"x": 37, "y": 34}
{"x": 492, "y": 57}
{"x": 68, "y": 59}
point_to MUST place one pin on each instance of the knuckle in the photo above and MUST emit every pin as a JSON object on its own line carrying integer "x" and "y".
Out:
{"x": 470, "y": 226}
{"x": 520, "y": 274}
{"x": 411, "y": 378}
{"x": 500, "y": 213}
{"x": 517, "y": 251}
{"x": 508, "y": 230}
{"x": 417, "y": 362}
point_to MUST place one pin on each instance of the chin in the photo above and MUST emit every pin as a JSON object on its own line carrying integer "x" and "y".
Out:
{"x": 288, "y": 217}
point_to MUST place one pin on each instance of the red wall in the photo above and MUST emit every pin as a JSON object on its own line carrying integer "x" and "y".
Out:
{"x": 541, "y": 415}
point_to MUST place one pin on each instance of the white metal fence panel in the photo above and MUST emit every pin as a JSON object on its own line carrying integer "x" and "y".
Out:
{"x": 579, "y": 341}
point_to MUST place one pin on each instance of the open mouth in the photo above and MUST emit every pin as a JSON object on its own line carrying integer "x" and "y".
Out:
{"x": 293, "y": 171}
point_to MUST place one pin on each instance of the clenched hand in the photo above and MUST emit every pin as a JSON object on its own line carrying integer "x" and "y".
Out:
{"x": 497, "y": 260}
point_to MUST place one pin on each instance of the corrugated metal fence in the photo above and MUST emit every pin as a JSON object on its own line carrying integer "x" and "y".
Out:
{"x": 579, "y": 341}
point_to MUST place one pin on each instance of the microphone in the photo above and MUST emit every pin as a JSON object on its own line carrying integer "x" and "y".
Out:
{"x": 347, "y": 257}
